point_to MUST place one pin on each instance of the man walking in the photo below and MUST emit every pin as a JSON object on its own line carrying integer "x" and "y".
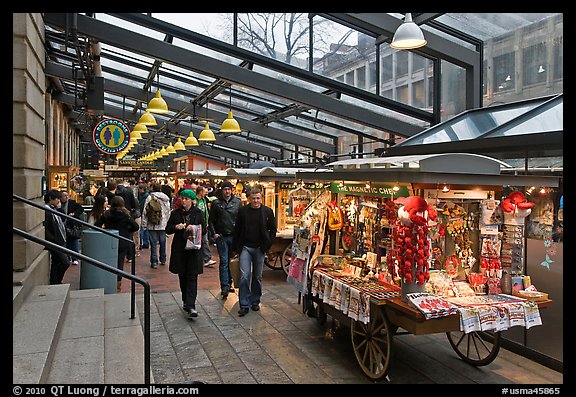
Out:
{"x": 72, "y": 208}
{"x": 155, "y": 220}
{"x": 254, "y": 234}
{"x": 221, "y": 221}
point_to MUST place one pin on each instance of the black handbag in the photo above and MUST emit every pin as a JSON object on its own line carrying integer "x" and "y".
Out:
{"x": 73, "y": 230}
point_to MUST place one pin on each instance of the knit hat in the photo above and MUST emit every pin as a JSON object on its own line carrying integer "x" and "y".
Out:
{"x": 226, "y": 184}
{"x": 188, "y": 193}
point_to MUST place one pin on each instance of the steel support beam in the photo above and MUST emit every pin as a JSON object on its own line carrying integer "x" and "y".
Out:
{"x": 132, "y": 41}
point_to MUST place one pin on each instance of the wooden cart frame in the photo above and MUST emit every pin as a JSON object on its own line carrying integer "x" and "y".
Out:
{"x": 373, "y": 343}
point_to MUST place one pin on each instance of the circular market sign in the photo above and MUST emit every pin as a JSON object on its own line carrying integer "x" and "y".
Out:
{"x": 111, "y": 136}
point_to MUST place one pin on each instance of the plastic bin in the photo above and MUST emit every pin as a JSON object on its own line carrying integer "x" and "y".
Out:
{"x": 103, "y": 248}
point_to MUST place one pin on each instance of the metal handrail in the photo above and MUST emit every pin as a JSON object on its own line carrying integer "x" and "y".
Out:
{"x": 99, "y": 229}
{"x": 132, "y": 277}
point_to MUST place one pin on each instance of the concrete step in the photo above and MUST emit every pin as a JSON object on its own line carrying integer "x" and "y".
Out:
{"x": 77, "y": 337}
{"x": 35, "y": 327}
{"x": 123, "y": 342}
{"x": 79, "y": 356}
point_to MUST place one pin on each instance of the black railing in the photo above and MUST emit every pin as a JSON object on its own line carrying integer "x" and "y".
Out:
{"x": 132, "y": 277}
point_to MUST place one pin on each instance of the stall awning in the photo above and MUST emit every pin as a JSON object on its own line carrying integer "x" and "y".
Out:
{"x": 447, "y": 168}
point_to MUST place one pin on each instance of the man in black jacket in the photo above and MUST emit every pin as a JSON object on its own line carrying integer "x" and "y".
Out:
{"x": 55, "y": 232}
{"x": 221, "y": 221}
{"x": 254, "y": 234}
{"x": 72, "y": 208}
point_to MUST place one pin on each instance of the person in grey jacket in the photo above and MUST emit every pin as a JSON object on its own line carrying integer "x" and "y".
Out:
{"x": 222, "y": 219}
{"x": 157, "y": 233}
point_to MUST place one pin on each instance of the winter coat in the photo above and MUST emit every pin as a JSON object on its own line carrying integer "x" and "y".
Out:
{"x": 268, "y": 228}
{"x": 54, "y": 234}
{"x": 223, "y": 215}
{"x": 181, "y": 258}
{"x": 165, "y": 202}
{"x": 121, "y": 221}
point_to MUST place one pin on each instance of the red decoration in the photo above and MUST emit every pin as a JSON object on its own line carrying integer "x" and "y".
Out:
{"x": 410, "y": 236}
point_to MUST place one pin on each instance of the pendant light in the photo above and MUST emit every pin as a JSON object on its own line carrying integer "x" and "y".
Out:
{"x": 191, "y": 140}
{"x": 157, "y": 104}
{"x": 230, "y": 125}
{"x": 141, "y": 128}
{"x": 408, "y": 35}
{"x": 170, "y": 149}
{"x": 147, "y": 119}
{"x": 179, "y": 145}
{"x": 206, "y": 135}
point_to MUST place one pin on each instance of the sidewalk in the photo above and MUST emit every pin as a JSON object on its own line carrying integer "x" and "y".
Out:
{"x": 281, "y": 345}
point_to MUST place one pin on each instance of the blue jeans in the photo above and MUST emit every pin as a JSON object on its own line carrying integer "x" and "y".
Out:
{"x": 157, "y": 236}
{"x": 144, "y": 237}
{"x": 224, "y": 246}
{"x": 251, "y": 266}
{"x": 206, "y": 254}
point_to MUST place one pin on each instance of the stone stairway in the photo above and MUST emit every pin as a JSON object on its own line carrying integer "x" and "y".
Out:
{"x": 62, "y": 336}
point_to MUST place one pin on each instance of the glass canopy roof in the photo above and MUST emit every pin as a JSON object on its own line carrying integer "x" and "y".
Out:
{"x": 319, "y": 95}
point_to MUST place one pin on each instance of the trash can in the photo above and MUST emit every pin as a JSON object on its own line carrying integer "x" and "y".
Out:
{"x": 103, "y": 248}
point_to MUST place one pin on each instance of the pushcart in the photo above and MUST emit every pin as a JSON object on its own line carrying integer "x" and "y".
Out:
{"x": 279, "y": 255}
{"x": 373, "y": 343}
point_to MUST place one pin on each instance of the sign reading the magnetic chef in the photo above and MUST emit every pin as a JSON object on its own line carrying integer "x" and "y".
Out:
{"x": 111, "y": 136}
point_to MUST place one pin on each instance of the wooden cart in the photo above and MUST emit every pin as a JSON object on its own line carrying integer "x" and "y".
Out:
{"x": 279, "y": 255}
{"x": 373, "y": 342}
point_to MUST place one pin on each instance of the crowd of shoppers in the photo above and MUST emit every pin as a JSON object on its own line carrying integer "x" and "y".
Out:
{"x": 245, "y": 232}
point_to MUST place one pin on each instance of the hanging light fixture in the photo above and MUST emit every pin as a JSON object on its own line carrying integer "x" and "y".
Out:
{"x": 206, "y": 135}
{"x": 191, "y": 140}
{"x": 230, "y": 125}
{"x": 179, "y": 145}
{"x": 147, "y": 119}
{"x": 157, "y": 104}
{"x": 141, "y": 128}
{"x": 408, "y": 35}
{"x": 170, "y": 149}
{"x": 135, "y": 134}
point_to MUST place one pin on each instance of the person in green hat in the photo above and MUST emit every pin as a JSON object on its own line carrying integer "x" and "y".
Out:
{"x": 186, "y": 263}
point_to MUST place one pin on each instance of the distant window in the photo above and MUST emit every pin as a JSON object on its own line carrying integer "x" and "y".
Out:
{"x": 504, "y": 75}
{"x": 361, "y": 77}
{"x": 418, "y": 94}
{"x": 387, "y": 69}
{"x": 417, "y": 63}
{"x": 534, "y": 64}
{"x": 401, "y": 63}
{"x": 558, "y": 58}
{"x": 350, "y": 78}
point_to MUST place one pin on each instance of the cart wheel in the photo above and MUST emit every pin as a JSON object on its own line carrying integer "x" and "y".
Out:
{"x": 271, "y": 260}
{"x": 286, "y": 259}
{"x": 475, "y": 348}
{"x": 372, "y": 344}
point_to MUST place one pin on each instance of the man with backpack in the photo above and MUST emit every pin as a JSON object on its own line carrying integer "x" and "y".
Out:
{"x": 154, "y": 219}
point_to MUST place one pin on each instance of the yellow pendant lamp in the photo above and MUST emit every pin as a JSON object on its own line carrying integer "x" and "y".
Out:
{"x": 230, "y": 125}
{"x": 206, "y": 135}
{"x": 141, "y": 128}
{"x": 191, "y": 140}
{"x": 135, "y": 134}
{"x": 179, "y": 145}
{"x": 170, "y": 149}
{"x": 157, "y": 104}
{"x": 147, "y": 119}
{"x": 163, "y": 152}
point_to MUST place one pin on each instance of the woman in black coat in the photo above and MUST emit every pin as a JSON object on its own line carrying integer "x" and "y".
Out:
{"x": 118, "y": 217}
{"x": 187, "y": 263}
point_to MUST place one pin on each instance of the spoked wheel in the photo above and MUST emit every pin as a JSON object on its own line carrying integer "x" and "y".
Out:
{"x": 372, "y": 344}
{"x": 475, "y": 348}
{"x": 271, "y": 260}
{"x": 286, "y": 259}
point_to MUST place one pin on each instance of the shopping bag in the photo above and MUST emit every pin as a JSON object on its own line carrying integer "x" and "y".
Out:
{"x": 234, "y": 265}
